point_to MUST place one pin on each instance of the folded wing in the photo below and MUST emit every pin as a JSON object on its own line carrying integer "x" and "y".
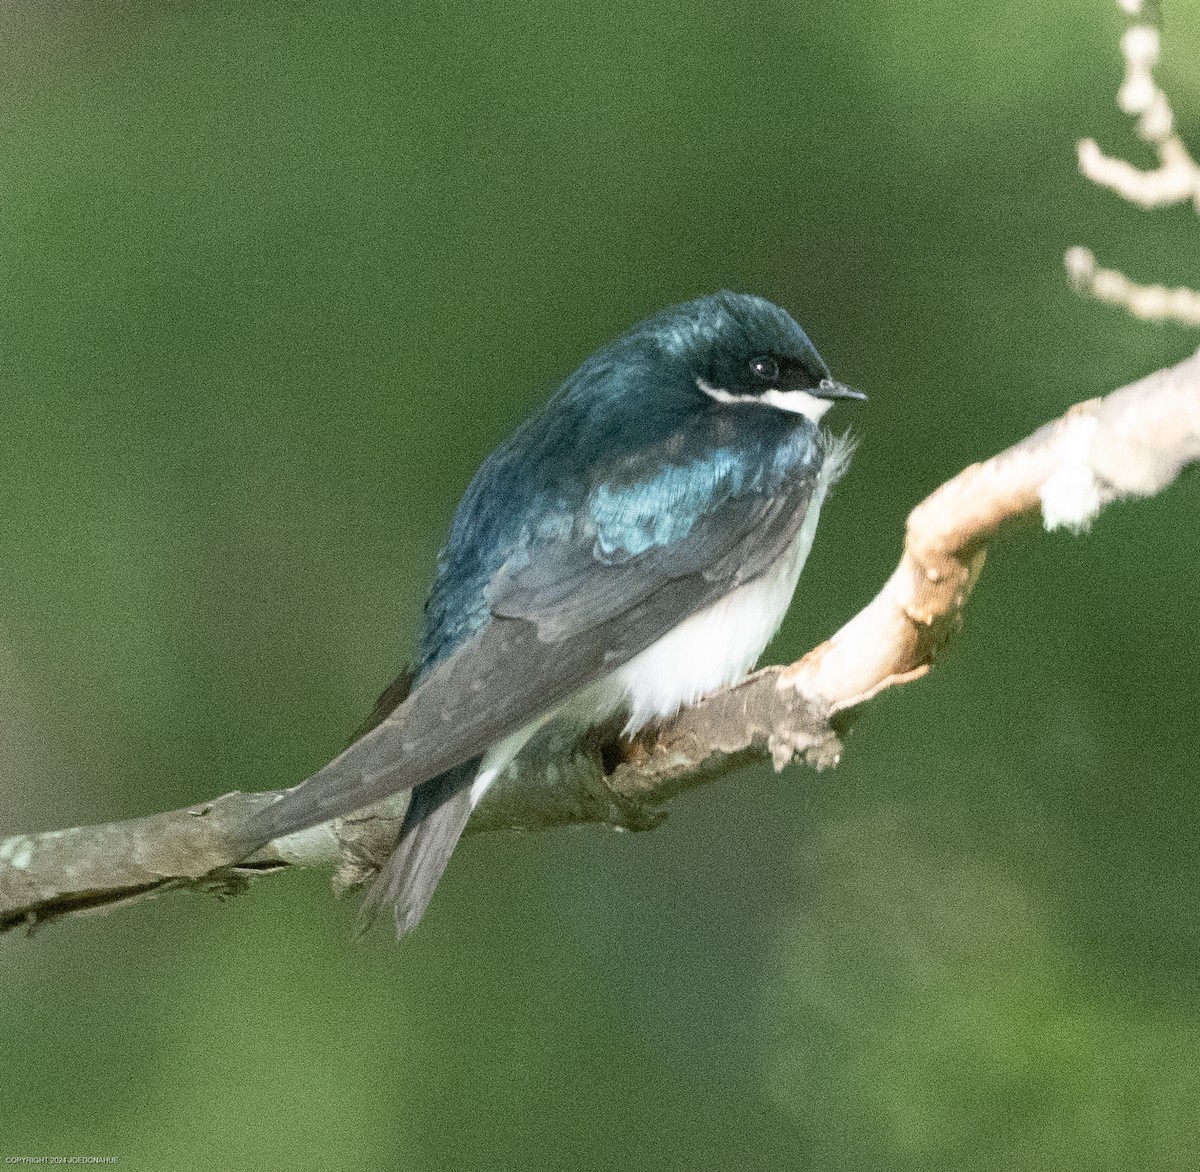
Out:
{"x": 562, "y": 614}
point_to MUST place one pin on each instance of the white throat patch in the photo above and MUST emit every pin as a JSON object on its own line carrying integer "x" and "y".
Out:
{"x": 797, "y": 402}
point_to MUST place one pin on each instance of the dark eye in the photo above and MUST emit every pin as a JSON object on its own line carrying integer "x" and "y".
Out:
{"x": 765, "y": 368}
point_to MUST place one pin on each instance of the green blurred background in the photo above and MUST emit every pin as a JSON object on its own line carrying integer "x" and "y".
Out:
{"x": 275, "y": 278}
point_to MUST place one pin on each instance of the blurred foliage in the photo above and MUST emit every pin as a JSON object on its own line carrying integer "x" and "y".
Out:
{"x": 277, "y": 277}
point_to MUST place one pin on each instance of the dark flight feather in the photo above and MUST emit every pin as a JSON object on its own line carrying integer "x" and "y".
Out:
{"x": 433, "y": 823}
{"x": 389, "y": 700}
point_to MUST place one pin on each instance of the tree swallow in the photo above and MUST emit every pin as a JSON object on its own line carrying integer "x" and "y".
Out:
{"x": 631, "y": 548}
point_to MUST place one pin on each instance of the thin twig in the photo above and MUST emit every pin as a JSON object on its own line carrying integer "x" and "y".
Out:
{"x": 1174, "y": 180}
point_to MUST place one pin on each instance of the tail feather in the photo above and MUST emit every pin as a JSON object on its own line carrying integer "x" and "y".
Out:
{"x": 433, "y": 823}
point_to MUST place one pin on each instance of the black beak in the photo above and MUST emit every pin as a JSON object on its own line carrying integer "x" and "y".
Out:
{"x": 828, "y": 389}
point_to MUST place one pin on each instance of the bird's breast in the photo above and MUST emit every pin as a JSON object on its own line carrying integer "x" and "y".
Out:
{"x": 710, "y": 650}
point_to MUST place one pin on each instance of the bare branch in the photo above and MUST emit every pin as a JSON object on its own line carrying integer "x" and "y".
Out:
{"x": 1148, "y": 302}
{"x": 1175, "y": 179}
{"x": 1131, "y": 444}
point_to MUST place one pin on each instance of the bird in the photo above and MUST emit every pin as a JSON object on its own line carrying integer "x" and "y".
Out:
{"x": 632, "y": 547}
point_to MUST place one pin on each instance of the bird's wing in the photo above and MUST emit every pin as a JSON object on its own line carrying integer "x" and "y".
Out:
{"x": 563, "y": 614}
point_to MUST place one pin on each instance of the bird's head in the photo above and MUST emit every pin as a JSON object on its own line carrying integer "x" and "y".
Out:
{"x": 741, "y": 351}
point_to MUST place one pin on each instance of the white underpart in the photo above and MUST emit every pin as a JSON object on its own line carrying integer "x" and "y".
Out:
{"x": 498, "y": 758}
{"x": 797, "y": 402}
{"x": 711, "y": 650}
{"x": 717, "y": 646}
